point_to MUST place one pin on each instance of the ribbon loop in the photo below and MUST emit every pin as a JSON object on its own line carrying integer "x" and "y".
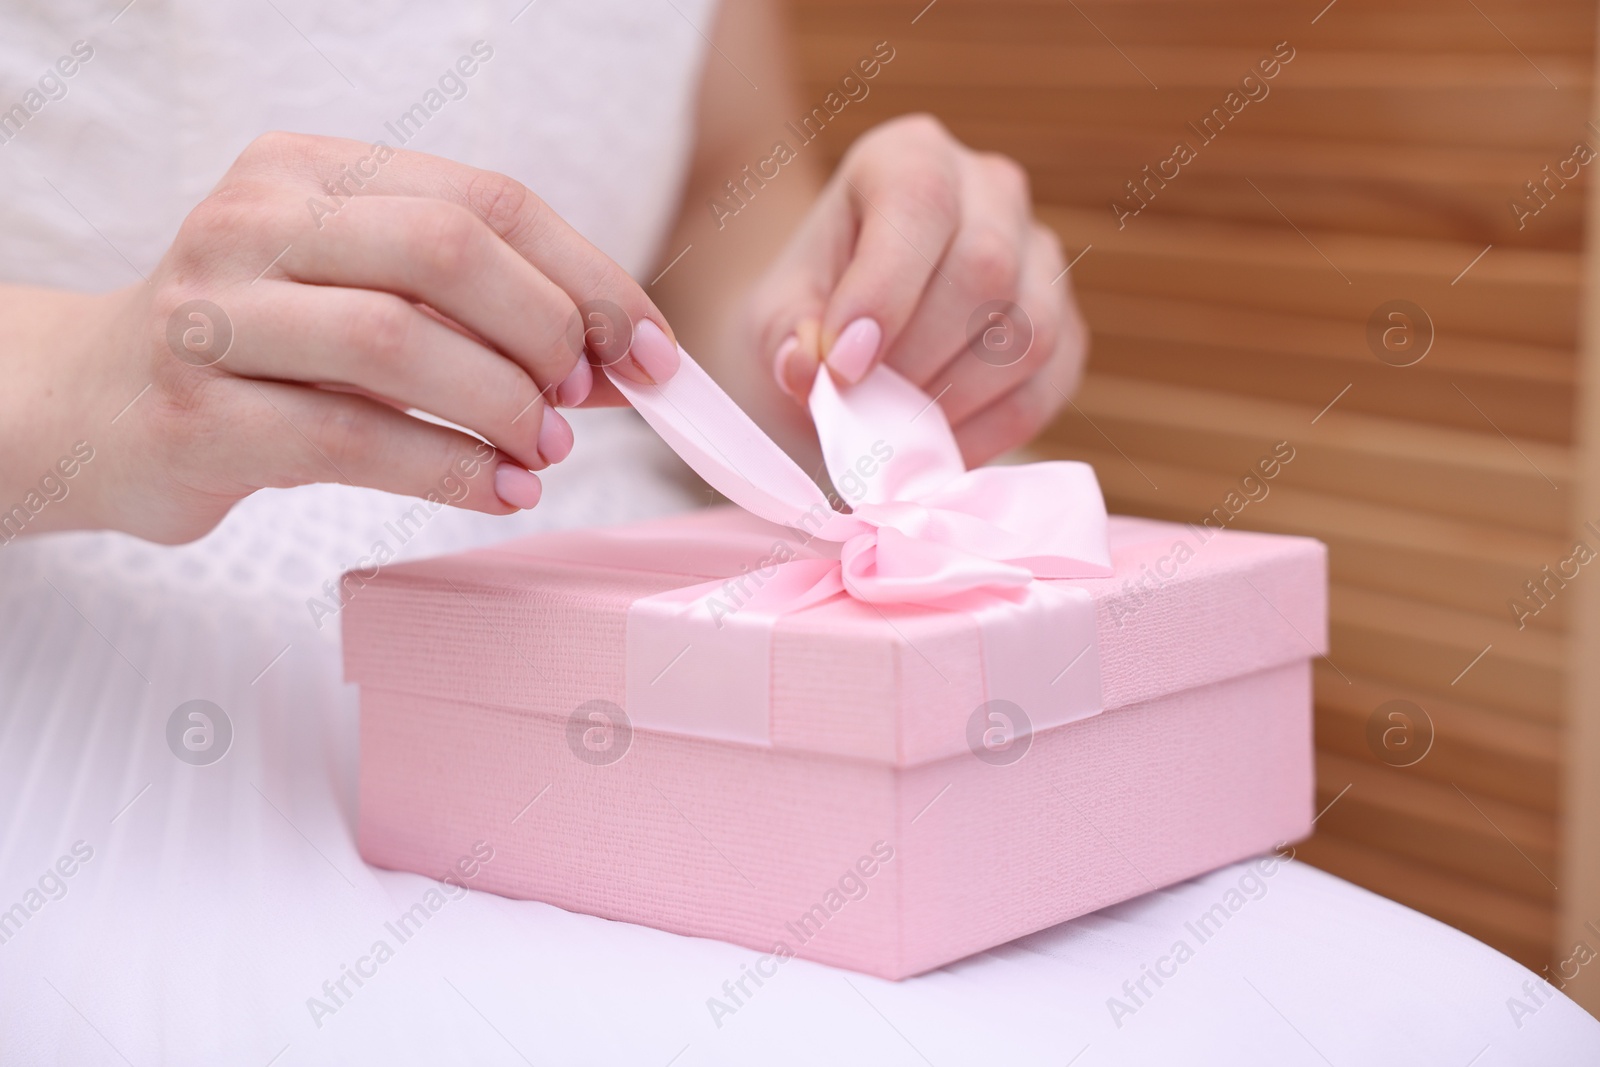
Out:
{"x": 925, "y": 530}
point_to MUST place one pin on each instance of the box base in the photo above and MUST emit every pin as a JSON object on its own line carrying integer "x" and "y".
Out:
{"x": 890, "y": 871}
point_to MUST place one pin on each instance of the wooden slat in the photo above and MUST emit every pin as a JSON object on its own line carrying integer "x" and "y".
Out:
{"x": 1405, "y": 27}
{"x": 1439, "y": 191}
{"x": 1457, "y": 564}
{"x": 1312, "y": 360}
{"x": 1034, "y": 66}
{"x": 1177, "y": 322}
{"x": 1519, "y": 295}
{"x": 1486, "y": 752}
{"x": 1396, "y": 638}
{"x": 1434, "y": 649}
{"x": 1520, "y": 118}
{"x": 1417, "y": 395}
{"x": 1495, "y": 843}
{"x": 1474, "y": 476}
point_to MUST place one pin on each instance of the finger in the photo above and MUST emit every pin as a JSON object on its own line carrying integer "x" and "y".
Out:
{"x": 444, "y": 256}
{"x": 785, "y": 309}
{"x": 798, "y": 360}
{"x": 1013, "y": 340}
{"x": 906, "y": 207}
{"x": 1010, "y": 421}
{"x": 572, "y": 391}
{"x": 985, "y": 266}
{"x": 383, "y": 345}
{"x": 1016, "y": 416}
{"x": 294, "y": 435}
{"x": 510, "y": 210}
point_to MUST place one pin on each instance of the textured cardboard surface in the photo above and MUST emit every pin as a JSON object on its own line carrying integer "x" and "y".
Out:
{"x": 521, "y": 626}
{"x": 471, "y": 666}
{"x": 743, "y": 844}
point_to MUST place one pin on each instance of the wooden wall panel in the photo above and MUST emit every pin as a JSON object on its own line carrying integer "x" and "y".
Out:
{"x": 1232, "y": 312}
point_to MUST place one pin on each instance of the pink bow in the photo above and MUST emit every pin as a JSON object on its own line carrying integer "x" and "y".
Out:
{"x": 922, "y": 529}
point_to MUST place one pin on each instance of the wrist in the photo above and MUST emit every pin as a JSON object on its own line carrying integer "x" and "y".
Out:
{"x": 54, "y": 426}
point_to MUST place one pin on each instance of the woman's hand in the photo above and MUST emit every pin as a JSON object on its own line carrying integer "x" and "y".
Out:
{"x": 925, "y": 255}
{"x": 324, "y": 287}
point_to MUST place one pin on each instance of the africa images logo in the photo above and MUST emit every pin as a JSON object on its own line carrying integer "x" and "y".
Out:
{"x": 599, "y": 732}
{"x": 999, "y": 732}
{"x": 199, "y": 732}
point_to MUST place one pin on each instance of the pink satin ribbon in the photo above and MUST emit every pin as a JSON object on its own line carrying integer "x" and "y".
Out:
{"x": 922, "y": 528}
{"x": 922, "y": 532}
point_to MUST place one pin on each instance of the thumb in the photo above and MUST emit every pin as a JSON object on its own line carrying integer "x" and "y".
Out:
{"x": 798, "y": 358}
{"x": 794, "y": 297}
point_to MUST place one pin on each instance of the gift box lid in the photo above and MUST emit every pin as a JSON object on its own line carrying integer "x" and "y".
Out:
{"x": 540, "y": 626}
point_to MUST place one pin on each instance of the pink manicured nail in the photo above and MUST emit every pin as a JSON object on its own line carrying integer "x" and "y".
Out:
{"x": 515, "y": 486}
{"x": 857, "y": 346}
{"x": 574, "y": 389}
{"x": 555, "y": 437}
{"x": 654, "y": 356}
{"x": 785, "y": 350}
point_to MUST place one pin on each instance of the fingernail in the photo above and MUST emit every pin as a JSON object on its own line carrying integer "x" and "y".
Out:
{"x": 555, "y": 437}
{"x": 515, "y": 486}
{"x": 780, "y": 362}
{"x": 653, "y": 355}
{"x": 855, "y": 349}
{"x": 574, "y": 388}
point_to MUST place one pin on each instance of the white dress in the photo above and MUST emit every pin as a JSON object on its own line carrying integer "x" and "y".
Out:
{"x": 155, "y": 910}
{"x": 588, "y": 103}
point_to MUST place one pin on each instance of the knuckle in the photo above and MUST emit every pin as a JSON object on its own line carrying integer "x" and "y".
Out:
{"x": 166, "y": 297}
{"x": 452, "y": 465}
{"x": 191, "y": 414}
{"x": 185, "y": 328}
{"x": 451, "y": 241}
{"x": 919, "y": 135}
{"x": 273, "y": 148}
{"x": 557, "y": 345}
{"x": 508, "y": 206}
{"x": 919, "y": 126}
{"x": 382, "y": 326}
{"x": 221, "y": 216}
{"x": 990, "y": 259}
{"x": 184, "y": 401}
{"x": 344, "y": 431}
{"x": 522, "y": 405}
{"x": 904, "y": 165}
{"x": 929, "y": 192}
{"x": 224, "y": 235}
{"x": 1008, "y": 174}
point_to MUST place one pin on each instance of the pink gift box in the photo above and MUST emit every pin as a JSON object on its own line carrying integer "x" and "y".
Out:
{"x": 884, "y": 812}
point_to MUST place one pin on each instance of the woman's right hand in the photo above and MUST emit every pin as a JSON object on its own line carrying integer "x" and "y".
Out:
{"x": 320, "y": 290}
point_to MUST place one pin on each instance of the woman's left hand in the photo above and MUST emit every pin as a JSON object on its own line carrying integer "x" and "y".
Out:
{"x": 925, "y": 255}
